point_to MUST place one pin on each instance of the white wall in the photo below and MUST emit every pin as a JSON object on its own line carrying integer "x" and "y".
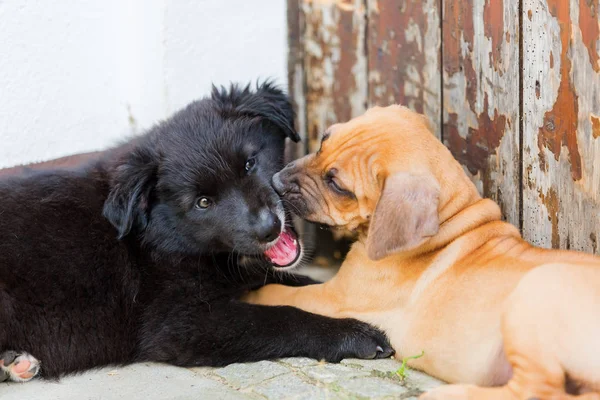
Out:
{"x": 81, "y": 75}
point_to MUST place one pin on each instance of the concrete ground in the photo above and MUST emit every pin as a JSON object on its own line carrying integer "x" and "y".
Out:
{"x": 290, "y": 378}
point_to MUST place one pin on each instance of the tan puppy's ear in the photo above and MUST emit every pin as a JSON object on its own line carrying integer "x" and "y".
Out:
{"x": 405, "y": 216}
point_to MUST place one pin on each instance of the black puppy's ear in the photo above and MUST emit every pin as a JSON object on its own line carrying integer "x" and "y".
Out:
{"x": 132, "y": 181}
{"x": 272, "y": 104}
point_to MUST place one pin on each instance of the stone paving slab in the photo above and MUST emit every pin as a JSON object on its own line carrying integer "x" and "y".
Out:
{"x": 290, "y": 378}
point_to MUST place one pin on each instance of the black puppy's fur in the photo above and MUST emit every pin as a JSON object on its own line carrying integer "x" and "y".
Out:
{"x": 114, "y": 263}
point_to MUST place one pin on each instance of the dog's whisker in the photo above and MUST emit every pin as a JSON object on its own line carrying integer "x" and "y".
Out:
{"x": 295, "y": 209}
{"x": 239, "y": 268}
{"x": 266, "y": 276}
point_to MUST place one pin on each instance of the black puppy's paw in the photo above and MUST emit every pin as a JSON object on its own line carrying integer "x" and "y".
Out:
{"x": 361, "y": 340}
{"x": 18, "y": 367}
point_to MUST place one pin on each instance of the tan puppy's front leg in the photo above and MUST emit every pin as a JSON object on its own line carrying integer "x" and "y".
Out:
{"x": 311, "y": 298}
{"x": 271, "y": 295}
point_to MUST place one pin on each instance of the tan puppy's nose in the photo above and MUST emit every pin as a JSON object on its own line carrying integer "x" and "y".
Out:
{"x": 278, "y": 184}
{"x": 282, "y": 182}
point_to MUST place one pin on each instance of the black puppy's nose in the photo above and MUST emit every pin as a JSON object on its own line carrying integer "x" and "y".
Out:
{"x": 267, "y": 227}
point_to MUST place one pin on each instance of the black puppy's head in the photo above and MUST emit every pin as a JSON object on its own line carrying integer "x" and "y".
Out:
{"x": 201, "y": 181}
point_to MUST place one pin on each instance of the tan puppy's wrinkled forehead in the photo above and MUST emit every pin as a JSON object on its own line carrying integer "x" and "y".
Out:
{"x": 377, "y": 135}
{"x": 365, "y": 150}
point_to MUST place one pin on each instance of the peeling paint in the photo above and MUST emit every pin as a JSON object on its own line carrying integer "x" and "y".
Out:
{"x": 529, "y": 182}
{"x": 550, "y": 200}
{"x": 457, "y": 30}
{"x": 560, "y": 123}
{"x": 351, "y": 42}
{"x": 458, "y": 46}
{"x": 590, "y": 30}
{"x": 481, "y": 142}
{"x": 295, "y": 19}
{"x": 480, "y": 70}
{"x": 335, "y": 64}
{"x": 595, "y": 126}
{"x": 471, "y": 81}
{"x": 403, "y": 51}
{"x": 561, "y": 188}
{"x": 493, "y": 15}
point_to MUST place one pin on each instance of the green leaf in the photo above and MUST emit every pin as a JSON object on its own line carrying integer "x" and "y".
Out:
{"x": 402, "y": 372}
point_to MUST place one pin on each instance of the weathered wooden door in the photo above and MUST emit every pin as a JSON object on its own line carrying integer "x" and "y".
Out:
{"x": 511, "y": 87}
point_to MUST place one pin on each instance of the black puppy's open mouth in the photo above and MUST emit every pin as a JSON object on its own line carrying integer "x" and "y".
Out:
{"x": 286, "y": 250}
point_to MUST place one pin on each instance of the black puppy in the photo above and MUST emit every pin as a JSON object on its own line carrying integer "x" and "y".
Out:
{"x": 142, "y": 254}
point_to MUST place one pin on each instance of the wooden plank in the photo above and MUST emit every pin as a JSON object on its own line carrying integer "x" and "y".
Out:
{"x": 403, "y": 43}
{"x": 335, "y": 64}
{"x": 296, "y": 89}
{"x": 561, "y": 105}
{"x": 295, "y": 63}
{"x": 335, "y": 67}
{"x": 480, "y": 50}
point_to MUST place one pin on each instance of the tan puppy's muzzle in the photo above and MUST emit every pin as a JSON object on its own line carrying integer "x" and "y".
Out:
{"x": 298, "y": 189}
{"x": 283, "y": 182}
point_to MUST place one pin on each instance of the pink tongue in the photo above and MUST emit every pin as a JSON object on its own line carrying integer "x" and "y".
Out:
{"x": 283, "y": 252}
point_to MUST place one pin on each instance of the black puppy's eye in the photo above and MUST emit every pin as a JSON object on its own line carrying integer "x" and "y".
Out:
{"x": 250, "y": 164}
{"x": 203, "y": 203}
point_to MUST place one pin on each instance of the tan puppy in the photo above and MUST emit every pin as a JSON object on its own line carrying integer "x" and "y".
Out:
{"x": 436, "y": 268}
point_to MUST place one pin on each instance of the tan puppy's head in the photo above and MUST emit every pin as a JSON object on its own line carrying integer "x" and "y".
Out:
{"x": 375, "y": 173}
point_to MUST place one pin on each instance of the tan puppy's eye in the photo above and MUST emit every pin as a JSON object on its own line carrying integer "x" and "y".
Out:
{"x": 333, "y": 183}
